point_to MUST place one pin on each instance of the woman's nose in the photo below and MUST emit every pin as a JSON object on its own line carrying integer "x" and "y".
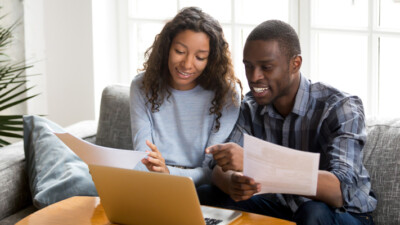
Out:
{"x": 188, "y": 62}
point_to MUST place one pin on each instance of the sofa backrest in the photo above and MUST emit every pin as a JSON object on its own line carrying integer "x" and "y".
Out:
{"x": 114, "y": 129}
{"x": 382, "y": 160}
{"x": 381, "y": 152}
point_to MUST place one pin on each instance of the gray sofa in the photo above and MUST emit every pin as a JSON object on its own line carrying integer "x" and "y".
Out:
{"x": 381, "y": 157}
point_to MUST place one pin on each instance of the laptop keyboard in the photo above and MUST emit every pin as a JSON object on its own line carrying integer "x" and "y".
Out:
{"x": 211, "y": 221}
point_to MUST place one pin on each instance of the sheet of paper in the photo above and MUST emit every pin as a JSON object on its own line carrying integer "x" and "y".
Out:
{"x": 99, "y": 155}
{"x": 280, "y": 169}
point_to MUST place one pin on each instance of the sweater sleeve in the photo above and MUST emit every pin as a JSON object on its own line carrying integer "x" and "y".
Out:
{"x": 230, "y": 114}
{"x": 199, "y": 175}
{"x": 141, "y": 123}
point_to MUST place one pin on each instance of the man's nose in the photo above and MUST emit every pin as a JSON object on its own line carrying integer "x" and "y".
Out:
{"x": 254, "y": 74}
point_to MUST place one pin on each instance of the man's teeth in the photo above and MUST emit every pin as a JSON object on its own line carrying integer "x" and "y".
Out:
{"x": 259, "y": 90}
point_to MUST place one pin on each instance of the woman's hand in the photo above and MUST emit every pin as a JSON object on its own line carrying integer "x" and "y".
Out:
{"x": 154, "y": 160}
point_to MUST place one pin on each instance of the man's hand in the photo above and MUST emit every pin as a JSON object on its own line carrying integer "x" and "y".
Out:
{"x": 228, "y": 156}
{"x": 242, "y": 187}
{"x": 154, "y": 160}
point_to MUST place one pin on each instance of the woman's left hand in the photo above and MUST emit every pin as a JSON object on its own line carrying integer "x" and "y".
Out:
{"x": 154, "y": 160}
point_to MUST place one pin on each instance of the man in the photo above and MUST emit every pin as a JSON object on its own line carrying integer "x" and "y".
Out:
{"x": 285, "y": 108}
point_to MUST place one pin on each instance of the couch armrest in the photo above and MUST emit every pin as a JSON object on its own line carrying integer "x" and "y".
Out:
{"x": 14, "y": 188}
{"x": 86, "y": 130}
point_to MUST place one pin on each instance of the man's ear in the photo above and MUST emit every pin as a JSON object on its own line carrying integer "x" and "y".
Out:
{"x": 296, "y": 63}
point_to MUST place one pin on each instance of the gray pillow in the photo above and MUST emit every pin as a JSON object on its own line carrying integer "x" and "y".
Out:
{"x": 54, "y": 171}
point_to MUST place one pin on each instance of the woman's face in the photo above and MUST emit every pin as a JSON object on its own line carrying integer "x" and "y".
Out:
{"x": 188, "y": 57}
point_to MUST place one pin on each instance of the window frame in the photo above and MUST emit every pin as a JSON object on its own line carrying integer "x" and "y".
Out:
{"x": 300, "y": 13}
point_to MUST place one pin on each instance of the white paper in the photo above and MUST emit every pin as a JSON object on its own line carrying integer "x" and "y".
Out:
{"x": 279, "y": 169}
{"x": 98, "y": 155}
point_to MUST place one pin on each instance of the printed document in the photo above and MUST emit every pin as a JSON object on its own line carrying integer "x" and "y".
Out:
{"x": 98, "y": 155}
{"x": 279, "y": 169}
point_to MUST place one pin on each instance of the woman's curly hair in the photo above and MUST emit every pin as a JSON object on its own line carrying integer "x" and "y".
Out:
{"x": 218, "y": 75}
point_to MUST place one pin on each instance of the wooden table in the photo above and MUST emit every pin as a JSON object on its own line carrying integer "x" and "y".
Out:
{"x": 88, "y": 210}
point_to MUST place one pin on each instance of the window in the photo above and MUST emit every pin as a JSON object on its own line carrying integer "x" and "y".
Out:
{"x": 237, "y": 18}
{"x": 349, "y": 44}
{"x": 352, "y": 46}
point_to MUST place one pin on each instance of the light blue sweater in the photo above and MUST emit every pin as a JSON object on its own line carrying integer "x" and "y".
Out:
{"x": 181, "y": 129}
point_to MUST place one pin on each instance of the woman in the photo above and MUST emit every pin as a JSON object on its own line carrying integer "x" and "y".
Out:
{"x": 187, "y": 99}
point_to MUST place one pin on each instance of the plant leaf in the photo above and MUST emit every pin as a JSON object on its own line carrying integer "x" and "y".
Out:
{"x": 17, "y": 102}
{"x": 8, "y": 134}
{"x": 11, "y": 128}
{"x": 3, "y": 143}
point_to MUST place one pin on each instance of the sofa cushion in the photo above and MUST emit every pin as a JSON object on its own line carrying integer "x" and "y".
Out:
{"x": 54, "y": 171}
{"x": 382, "y": 160}
{"x": 114, "y": 129}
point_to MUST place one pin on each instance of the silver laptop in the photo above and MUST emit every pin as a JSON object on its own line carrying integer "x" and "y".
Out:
{"x": 137, "y": 197}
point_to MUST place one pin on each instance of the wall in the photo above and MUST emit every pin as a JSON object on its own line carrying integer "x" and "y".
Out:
{"x": 59, "y": 41}
{"x": 13, "y": 11}
{"x": 106, "y": 57}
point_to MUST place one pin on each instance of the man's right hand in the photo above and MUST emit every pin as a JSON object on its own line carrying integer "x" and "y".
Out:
{"x": 228, "y": 156}
{"x": 242, "y": 188}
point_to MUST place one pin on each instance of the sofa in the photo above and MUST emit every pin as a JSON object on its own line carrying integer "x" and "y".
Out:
{"x": 381, "y": 158}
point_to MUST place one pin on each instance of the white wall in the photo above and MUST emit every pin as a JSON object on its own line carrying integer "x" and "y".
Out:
{"x": 13, "y": 11}
{"x": 59, "y": 40}
{"x": 106, "y": 57}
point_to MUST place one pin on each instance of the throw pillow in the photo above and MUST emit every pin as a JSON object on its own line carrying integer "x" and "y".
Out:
{"x": 54, "y": 171}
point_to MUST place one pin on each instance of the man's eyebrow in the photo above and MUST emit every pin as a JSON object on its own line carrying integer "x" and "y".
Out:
{"x": 260, "y": 61}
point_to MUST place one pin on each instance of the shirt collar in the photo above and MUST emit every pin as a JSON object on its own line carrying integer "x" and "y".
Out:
{"x": 302, "y": 96}
{"x": 300, "y": 104}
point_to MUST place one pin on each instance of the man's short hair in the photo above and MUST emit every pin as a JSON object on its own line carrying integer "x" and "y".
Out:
{"x": 280, "y": 31}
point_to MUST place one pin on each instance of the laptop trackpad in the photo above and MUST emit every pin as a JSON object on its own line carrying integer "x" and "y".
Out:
{"x": 219, "y": 216}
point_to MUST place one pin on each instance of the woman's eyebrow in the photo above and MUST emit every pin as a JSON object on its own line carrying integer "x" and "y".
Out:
{"x": 201, "y": 50}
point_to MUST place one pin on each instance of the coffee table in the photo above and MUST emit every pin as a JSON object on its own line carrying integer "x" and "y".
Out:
{"x": 88, "y": 210}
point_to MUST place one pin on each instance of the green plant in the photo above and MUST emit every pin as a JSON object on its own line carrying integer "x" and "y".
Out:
{"x": 12, "y": 87}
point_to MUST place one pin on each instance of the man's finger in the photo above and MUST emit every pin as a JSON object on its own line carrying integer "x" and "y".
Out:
{"x": 214, "y": 149}
{"x": 240, "y": 178}
{"x": 238, "y": 198}
{"x": 220, "y": 154}
{"x": 249, "y": 192}
{"x": 222, "y": 162}
{"x": 227, "y": 167}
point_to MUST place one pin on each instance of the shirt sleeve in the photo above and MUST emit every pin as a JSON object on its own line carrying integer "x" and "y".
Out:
{"x": 346, "y": 134}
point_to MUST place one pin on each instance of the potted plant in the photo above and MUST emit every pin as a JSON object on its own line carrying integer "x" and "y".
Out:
{"x": 13, "y": 87}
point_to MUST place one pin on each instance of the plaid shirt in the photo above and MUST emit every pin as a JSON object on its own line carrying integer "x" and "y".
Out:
{"x": 323, "y": 120}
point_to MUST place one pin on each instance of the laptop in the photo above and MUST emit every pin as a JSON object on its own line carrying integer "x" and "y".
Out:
{"x": 138, "y": 197}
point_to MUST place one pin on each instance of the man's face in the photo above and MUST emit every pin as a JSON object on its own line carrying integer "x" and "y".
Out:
{"x": 268, "y": 74}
